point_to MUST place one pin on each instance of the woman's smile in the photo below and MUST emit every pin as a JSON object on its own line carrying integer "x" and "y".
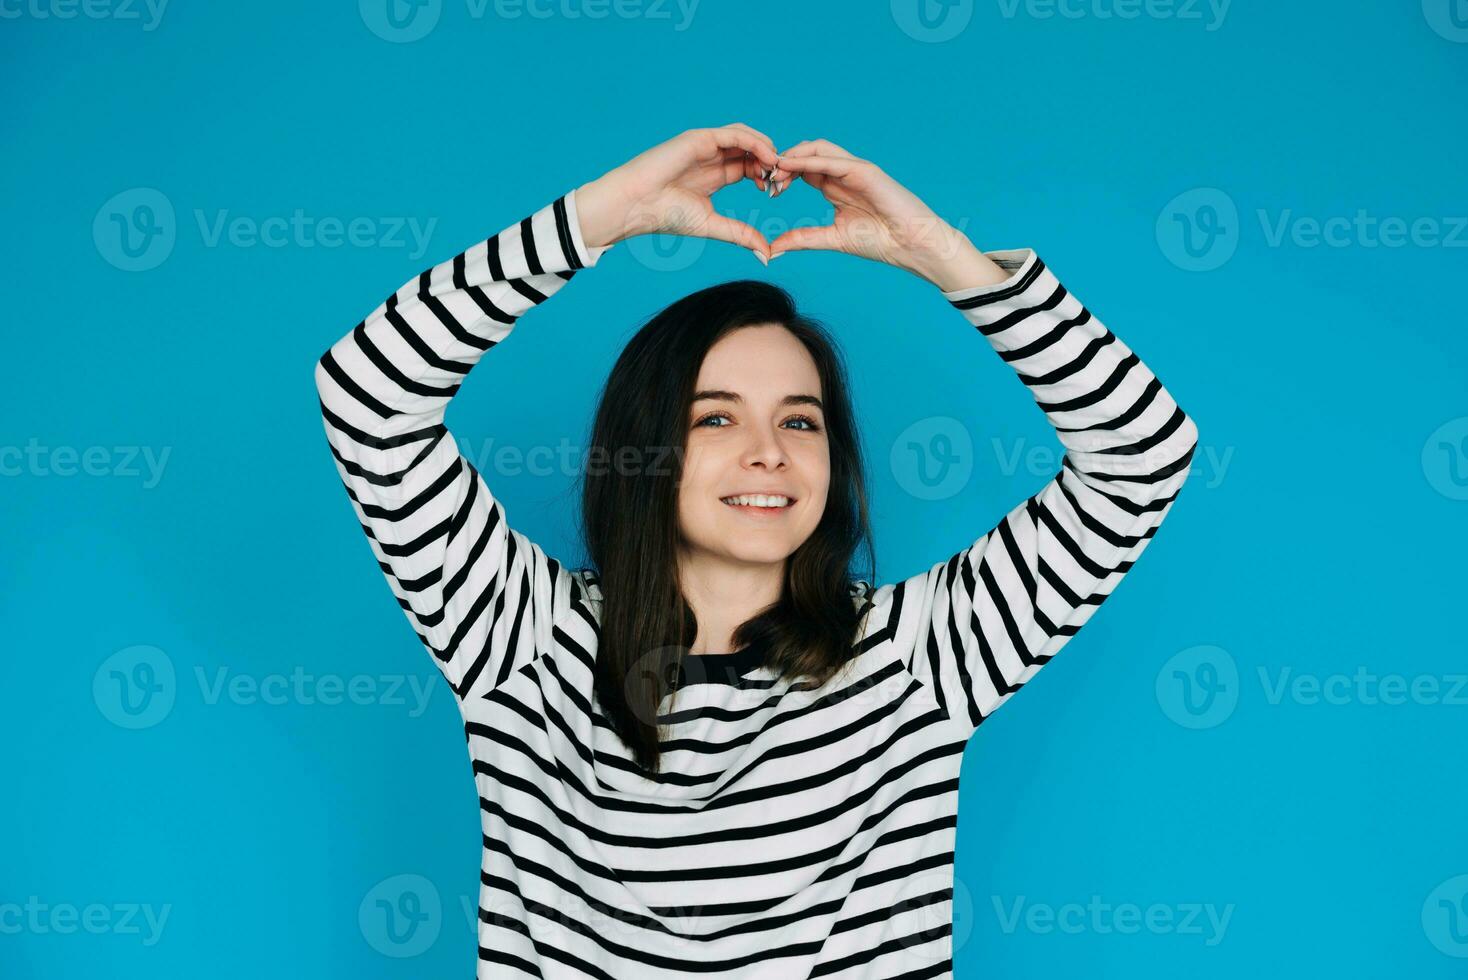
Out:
{"x": 760, "y": 505}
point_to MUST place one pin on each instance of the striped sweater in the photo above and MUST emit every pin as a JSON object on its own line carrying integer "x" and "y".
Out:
{"x": 794, "y": 831}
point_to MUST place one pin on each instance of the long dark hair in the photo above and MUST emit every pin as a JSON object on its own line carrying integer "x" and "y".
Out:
{"x": 629, "y": 514}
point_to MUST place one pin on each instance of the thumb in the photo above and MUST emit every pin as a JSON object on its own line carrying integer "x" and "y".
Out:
{"x": 725, "y": 229}
{"x": 806, "y": 237}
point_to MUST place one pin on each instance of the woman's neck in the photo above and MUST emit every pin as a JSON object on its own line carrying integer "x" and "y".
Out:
{"x": 724, "y": 595}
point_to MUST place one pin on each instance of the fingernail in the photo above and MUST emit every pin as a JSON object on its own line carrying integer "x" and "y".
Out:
{"x": 775, "y": 255}
{"x": 764, "y": 261}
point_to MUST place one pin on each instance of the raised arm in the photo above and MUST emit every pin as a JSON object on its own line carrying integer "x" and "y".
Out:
{"x": 992, "y": 615}
{"x": 978, "y": 625}
{"x": 478, "y": 593}
{"x": 481, "y": 597}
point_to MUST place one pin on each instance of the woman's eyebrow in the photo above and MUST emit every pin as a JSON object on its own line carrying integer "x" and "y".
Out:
{"x": 720, "y": 395}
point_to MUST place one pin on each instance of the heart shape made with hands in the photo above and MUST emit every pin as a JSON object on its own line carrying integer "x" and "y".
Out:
{"x": 856, "y": 188}
{"x": 874, "y": 216}
{"x": 773, "y": 181}
{"x": 776, "y": 181}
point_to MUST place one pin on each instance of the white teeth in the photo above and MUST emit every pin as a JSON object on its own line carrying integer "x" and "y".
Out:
{"x": 757, "y": 500}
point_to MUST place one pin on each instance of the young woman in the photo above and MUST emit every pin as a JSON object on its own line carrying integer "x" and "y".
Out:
{"x": 654, "y": 805}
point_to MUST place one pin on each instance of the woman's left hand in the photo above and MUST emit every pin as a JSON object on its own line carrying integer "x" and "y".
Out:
{"x": 876, "y": 217}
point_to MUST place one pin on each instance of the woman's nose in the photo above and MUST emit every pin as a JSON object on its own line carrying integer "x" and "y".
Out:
{"x": 764, "y": 448}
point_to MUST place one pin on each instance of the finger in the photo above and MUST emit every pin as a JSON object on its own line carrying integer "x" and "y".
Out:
{"x": 742, "y": 165}
{"x": 837, "y": 167}
{"x": 816, "y": 147}
{"x": 799, "y": 149}
{"x": 826, "y": 148}
{"x": 750, "y": 167}
{"x": 733, "y": 136}
{"x": 725, "y": 229}
{"x": 754, "y": 170}
{"x": 818, "y": 181}
{"x": 795, "y": 149}
{"x": 755, "y": 132}
{"x": 782, "y": 177}
{"x": 807, "y": 238}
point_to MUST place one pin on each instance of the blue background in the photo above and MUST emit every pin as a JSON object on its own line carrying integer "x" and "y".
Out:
{"x": 1321, "y": 532}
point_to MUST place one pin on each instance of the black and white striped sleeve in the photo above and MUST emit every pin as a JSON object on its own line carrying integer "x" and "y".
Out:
{"x": 992, "y": 615}
{"x": 479, "y": 594}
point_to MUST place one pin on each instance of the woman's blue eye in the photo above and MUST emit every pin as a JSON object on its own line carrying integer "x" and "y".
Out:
{"x": 810, "y": 423}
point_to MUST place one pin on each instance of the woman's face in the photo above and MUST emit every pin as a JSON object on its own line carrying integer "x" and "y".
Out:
{"x": 757, "y": 425}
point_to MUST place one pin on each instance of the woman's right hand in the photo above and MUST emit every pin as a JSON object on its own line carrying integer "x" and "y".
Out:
{"x": 666, "y": 190}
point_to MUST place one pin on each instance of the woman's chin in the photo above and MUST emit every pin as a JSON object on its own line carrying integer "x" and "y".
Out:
{"x": 748, "y": 553}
